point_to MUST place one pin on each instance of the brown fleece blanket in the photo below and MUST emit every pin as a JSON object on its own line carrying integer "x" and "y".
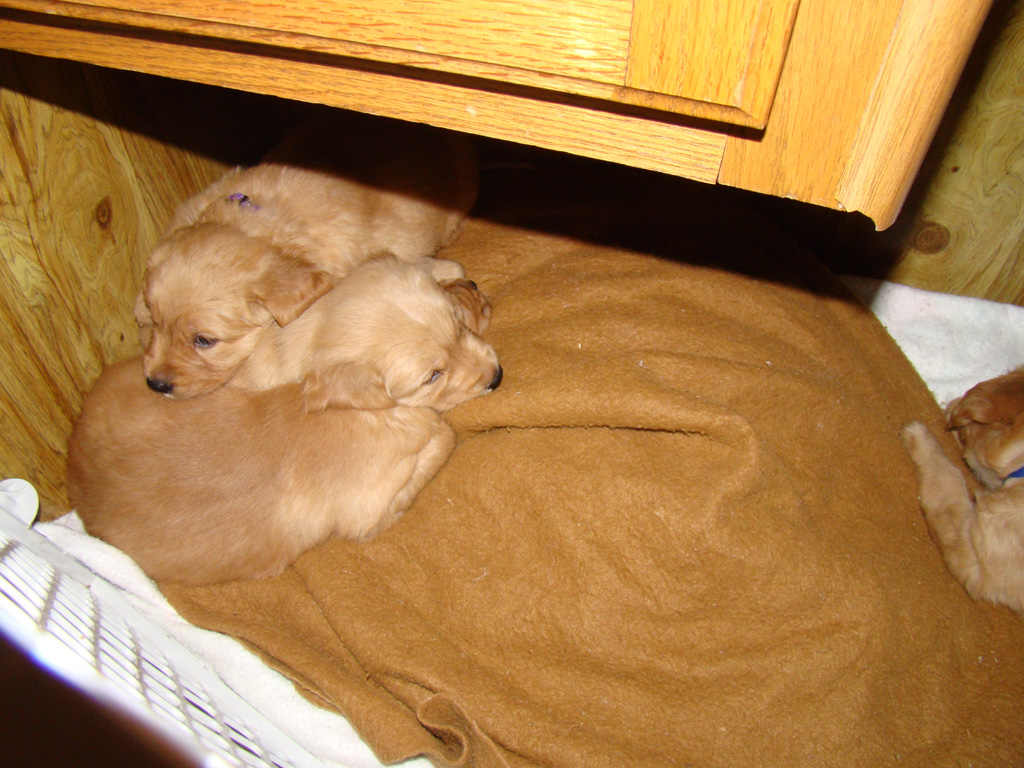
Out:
{"x": 682, "y": 532}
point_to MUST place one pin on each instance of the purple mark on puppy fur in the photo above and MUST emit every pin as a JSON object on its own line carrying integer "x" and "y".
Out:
{"x": 243, "y": 201}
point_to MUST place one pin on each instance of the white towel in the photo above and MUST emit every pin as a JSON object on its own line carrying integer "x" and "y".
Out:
{"x": 953, "y": 341}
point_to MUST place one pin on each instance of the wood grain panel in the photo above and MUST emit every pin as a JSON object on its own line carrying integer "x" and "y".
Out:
{"x": 584, "y": 38}
{"x": 848, "y": 66}
{"x": 967, "y": 234}
{"x": 722, "y": 53}
{"x": 834, "y": 55}
{"x": 926, "y": 54}
{"x": 400, "y": 59}
{"x": 81, "y": 203}
{"x": 579, "y": 129}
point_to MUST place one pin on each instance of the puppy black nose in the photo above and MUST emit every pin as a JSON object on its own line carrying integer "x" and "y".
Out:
{"x": 496, "y": 381}
{"x": 162, "y": 386}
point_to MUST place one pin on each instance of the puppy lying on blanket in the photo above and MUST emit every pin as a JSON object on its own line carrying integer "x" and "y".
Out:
{"x": 261, "y": 244}
{"x": 237, "y": 484}
{"x": 982, "y": 538}
{"x": 388, "y": 334}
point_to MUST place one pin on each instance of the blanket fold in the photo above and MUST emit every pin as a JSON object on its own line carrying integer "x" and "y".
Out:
{"x": 682, "y": 532}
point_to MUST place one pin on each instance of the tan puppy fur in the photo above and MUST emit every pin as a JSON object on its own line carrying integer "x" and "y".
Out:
{"x": 258, "y": 246}
{"x": 238, "y": 483}
{"x": 387, "y": 334}
{"x": 981, "y": 535}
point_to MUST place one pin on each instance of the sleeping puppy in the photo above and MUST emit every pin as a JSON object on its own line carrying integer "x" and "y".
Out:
{"x": 374, "y": 340}
{"x": 261, "y": 244}
{"x": 367, "y": 344}
{"x": 238, "y": 483}
{"x": 981, "y": 536}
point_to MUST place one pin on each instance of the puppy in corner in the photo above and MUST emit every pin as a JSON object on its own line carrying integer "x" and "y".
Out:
{"x": 981, "y": 535}
{"x": 261, "y": 244}
{"x": 238, "y": 483}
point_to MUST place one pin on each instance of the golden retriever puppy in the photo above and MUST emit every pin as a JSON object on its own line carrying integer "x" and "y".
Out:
{"x": 981, "y": 535}
{"x": 387, "y": 334}
{"x": 237, "y": 483}
{"x": 261, "y": 244}
{"x": 988, "y": 422}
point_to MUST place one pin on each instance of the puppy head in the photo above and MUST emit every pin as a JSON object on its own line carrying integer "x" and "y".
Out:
{"x": 405, "y": 341}
{"x": 988, "y": 422}
{"x": 209, "y": 294}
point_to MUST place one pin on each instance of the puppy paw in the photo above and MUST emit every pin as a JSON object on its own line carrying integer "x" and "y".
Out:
{"x": 445, "y": 270}
{"x": 927, "y": 453}
{"x": 922, "y": 445}
{"x": 471, "y": 307}
{"x": 915, "y": 436}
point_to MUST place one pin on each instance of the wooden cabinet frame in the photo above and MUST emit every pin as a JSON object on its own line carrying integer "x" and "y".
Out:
{"x": 829, "y": 102}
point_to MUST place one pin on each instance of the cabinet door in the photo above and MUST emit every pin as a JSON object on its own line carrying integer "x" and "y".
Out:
{"x": 580, "y": 38}
{"x": 717, "y": 59}
{"x": 728, "y": 54}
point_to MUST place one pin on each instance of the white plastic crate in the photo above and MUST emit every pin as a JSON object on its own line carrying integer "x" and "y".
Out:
{"x": 77, "y": 626}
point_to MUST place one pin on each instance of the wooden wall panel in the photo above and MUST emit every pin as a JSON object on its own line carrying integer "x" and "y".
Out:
{"x": 83, "y": 196}
{"x": 966, "y": 235}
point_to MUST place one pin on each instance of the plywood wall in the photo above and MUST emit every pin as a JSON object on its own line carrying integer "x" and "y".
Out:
{"x": 93, "y": 162}
{"x": 965, "y": 232}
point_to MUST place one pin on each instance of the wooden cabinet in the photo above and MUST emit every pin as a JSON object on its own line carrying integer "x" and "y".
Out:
{"x": 599, "y": 48}
{"x": 825, "y": 101}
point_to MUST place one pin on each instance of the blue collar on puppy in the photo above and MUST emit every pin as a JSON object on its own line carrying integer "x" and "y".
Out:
{"x": 1018, "y": 473}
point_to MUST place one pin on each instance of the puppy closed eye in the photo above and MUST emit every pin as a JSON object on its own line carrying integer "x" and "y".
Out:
{"x": 434, "y": 376}
{"x": 203, "y": 342}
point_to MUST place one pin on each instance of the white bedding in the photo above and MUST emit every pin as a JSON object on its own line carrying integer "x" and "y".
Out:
{"x": 953, "y": 342}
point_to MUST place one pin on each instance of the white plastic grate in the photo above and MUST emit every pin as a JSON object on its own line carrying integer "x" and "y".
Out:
{"x": 60, "y": 613}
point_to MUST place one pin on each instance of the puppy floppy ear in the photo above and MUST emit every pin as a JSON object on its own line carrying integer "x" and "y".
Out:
{"x": 996, "y": 401}
{"x": 141, "y": 311}
{"x": 143, "y": 319}
{"x": 346, "y": 385}
{"x": 471, "y": 307}
{"x": 288, "y": 286}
